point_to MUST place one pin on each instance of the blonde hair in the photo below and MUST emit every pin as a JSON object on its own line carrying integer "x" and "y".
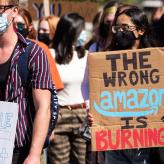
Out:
{"x": 52, "y": 22}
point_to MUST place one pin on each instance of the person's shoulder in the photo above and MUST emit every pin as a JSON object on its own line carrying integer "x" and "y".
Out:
{"x": 24, "y": 41}
{"x": 38, "y": 46}
{"x": 52, "y": 51}
{"x": 93, "y": 47}
{"x": 36, "y": 49}
{"x": 34, "y": 42}
{"x": 41, "y": 44}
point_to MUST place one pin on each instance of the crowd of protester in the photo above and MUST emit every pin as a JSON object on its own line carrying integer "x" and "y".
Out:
{"x": 66, "y": 44}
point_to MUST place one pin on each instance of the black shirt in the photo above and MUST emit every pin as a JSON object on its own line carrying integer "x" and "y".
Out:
{"x": 4, "y": 70}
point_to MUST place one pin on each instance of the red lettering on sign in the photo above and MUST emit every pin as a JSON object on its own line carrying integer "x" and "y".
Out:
{"x": 146, "y": 138}
{"x": 138, "y": 138}
{"x": 152, "y": 135}
{"x": 129, "y": 138}
{"x": 101, "y": 140}
{"x": 116, "y": 137}
{"x": 161, "y": 136}
{"x": 125, "y": 139}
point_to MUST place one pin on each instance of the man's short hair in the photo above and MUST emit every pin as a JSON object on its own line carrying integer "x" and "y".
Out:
{"x": 13, "y": 2}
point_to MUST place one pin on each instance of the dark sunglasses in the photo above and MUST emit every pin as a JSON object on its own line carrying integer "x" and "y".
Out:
{"x": 3, "y": 8}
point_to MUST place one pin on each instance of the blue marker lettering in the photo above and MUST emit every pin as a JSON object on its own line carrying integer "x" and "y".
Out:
{"x": 144, "y": 102}
{"x": 121, "y": 97}
{"x": 106, "y": 102}
{"x": 132, "y": 103}
{"x": 153, "y": 95}
{"x": 161, "y": 93}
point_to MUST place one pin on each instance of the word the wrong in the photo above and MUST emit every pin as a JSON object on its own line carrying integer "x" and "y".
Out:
{"x": 139, "y": 66}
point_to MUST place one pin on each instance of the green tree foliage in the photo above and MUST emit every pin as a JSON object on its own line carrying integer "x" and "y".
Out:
{"x": 105, "y": 1}
{"x": 123, "y": 1}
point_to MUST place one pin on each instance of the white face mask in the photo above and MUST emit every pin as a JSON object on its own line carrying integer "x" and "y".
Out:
{"x": 4, "y": 23}
{"x": 83, "y": 38}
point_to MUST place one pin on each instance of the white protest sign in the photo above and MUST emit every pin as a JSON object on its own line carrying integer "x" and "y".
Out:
{"x": 8, "y": 121}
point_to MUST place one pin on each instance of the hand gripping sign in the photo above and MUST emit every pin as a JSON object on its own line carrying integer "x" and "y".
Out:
{"x": 127, "y": 98}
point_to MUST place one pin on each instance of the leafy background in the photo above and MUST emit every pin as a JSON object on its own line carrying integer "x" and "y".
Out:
{"x": 125, "y": 1}
{"x": 104, "y": 1}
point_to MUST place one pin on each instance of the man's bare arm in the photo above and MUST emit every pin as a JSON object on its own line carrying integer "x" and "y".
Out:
{"x": 41, "y": 123}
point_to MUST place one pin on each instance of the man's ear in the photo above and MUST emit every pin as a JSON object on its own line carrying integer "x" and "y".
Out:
{"x": 15, "y": 11}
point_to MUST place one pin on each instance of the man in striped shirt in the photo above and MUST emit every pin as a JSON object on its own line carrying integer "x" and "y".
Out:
{"x": 34, "y": 102}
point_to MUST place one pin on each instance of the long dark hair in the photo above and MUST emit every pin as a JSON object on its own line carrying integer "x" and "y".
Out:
{"x": 103, "y": 30}
{"x": 68, "y": 29}
{"x": 139, "y": 18}
{"x": 157, "y": 24}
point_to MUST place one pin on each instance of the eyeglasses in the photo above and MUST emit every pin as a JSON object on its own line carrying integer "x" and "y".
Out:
{"x": 123, "y": 27}
{"x": 3, "y": 8}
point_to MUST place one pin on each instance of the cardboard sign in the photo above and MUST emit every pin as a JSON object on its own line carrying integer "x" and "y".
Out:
{"x": 86, "y": 9}
{"x": 127, "y": 99}
{"x": 8, "y": 121}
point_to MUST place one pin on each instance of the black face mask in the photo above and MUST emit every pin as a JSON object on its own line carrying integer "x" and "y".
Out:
{"x": 44, "y": 37}
{"x": 22, "y": 30}
{"x": 124, "y": 40}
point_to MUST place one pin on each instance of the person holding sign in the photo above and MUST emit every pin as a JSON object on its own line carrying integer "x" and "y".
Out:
{"x": 33, "y": 99}
{"x": 130, "y": 30}
{"x": 134, "y": 35}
